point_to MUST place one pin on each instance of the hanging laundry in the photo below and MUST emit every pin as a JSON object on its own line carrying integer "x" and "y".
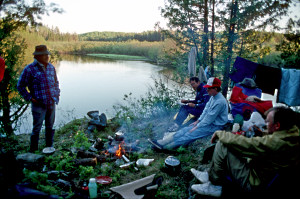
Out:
{"x": 242, "y": 68}
{"x": 202, "y": 75}
{"x": 289, "y": 87}
{"x": 267, "y": 78}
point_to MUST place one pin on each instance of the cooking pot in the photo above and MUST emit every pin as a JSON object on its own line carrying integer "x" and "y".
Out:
{"x": 172, "y": 165}
{"x": 119, "y": 136}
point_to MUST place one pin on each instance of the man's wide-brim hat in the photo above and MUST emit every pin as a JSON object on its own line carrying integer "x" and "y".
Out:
{"x": 41, "y": 50}
{"x": 213, "y": 82}
{"x": 248, "y": 82}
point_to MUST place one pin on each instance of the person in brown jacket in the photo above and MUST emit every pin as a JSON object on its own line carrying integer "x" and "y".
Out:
{"x": 253, "y": 163}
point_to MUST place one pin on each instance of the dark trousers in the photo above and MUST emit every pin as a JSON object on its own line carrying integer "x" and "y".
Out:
{"x": 226, "y": 163}
{"x": 41, "y": 113}
{"x": 184, "y": 111}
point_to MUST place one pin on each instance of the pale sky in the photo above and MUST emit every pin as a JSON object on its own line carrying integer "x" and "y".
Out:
{"x": 112, "y": 15}
{"x": 105, "y": 15}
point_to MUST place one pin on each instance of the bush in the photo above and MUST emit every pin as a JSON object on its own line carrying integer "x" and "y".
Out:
{"x": 81, "y": 140}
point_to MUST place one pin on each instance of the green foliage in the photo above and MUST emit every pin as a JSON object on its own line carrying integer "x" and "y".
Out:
{"x": 159, "y": 99}
{"x": 290, "y": 48}
{"x": 49, "y": 189}
{"x": 81, "y": 140}
{"x": 150, "y": 50}
{"x": 272, "y": 59}
{"x": 123, "y": 57}
{"x": 53, "y": 34}
{"x": 238, "y": 23}
{"x": 35, "y": 177}
{"x": 12, "y": 106}
{"x": 63, "y": 161}
{"x": 85, "y": 172}
{"x": 121, "y": 36}
{"x": 181, "y": 150}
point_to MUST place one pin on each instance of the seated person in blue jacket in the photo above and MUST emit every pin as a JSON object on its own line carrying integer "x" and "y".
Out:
{"x": 214, "y": 117}
{"x": 194, "y": 107}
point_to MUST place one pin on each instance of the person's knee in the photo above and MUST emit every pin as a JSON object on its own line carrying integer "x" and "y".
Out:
{"x": 220, "y": 148}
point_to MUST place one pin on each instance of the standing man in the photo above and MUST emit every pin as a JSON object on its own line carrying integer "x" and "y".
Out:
{"x": 40, "y": 79}
{"x": 194, "y": 107}
{"x": 213, "y": 118}
{"x": 253, "y": 163}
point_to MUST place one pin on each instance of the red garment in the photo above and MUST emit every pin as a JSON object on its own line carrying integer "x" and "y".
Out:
{"x": 237, "y": 96}
{"x": 2, "y": 68}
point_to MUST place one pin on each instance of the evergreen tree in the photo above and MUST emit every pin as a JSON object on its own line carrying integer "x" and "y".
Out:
{"x": 236, "y": 20}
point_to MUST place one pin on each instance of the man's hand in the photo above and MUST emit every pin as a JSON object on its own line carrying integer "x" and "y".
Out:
{"x": 194, "y": 123}
{"x": 191, "y": 105}
{"x": 184, "y": 101}
{"x": 193, "y": 129}
{"x": 34, "y": 101}
{"x": 214, "y": 138}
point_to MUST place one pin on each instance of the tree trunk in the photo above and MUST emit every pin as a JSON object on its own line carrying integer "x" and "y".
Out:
{"x": 212, "y": 37}
{"x": 205, "y": 36}
{"x": 229, "y": 46}
{"x": 5, "y": 119}
{"x": 242, "y": 46}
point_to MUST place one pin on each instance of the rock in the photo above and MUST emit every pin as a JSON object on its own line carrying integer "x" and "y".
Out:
{"x": 91, "y": 127}
{"x": 23, "y": 191}
{"x": 86, "y": 154}
{"x": 96, "y": 122}
{"x": 103, "y": 119}
{"x": 31, "y": 160}
{"x": 99, "y": 144}
{"x": 63, "y": 184}
{"x": 86, "y": 162}
{"x": 53, "y": 174}
{"x": 93, "y": 114}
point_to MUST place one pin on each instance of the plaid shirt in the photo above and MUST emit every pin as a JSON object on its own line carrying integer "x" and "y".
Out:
{"x": 41, "y": 82}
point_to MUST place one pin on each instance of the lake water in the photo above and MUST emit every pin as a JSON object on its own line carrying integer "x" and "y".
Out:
{"x": 90, "y": 83}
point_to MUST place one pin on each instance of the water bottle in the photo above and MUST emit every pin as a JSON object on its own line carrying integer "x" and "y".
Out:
{"x": 92, "y": 188}
{"x": 128, "y": 121}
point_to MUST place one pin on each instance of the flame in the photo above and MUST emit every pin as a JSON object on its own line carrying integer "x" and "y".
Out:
{"x": 120, "y": 151}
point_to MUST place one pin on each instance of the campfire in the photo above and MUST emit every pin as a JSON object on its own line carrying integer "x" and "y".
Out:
{"x": 120, "y": 151}
{"x": 115, "y": 149}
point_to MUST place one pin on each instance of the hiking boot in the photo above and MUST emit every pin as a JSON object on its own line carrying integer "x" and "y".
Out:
{"x": 207, "y": 189}
{"x": 202, "y": 176}
{"x": 155, "y": 144}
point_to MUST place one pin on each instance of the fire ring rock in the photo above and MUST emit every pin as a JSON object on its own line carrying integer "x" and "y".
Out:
{"x": 30, "y": 160}
{"x": 97, "y": 121}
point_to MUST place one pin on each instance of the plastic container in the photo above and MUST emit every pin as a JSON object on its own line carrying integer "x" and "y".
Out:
{"x": 92, "y": 188}
{"x": 144, "y": 162}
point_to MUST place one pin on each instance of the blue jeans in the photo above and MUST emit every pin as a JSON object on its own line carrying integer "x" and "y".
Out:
{"x": 39, "y": 114}
{"x": 185, "y": 110}
{"x": 184, "y": 137}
